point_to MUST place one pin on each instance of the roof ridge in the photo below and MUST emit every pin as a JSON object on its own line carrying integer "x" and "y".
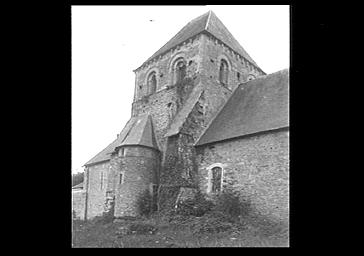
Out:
{"x": 208, "y": 20}
{"x": 205, "y": 23}
{"x": 128, "y": 132}
{"x": 154, "y": 140}
{"x": 170, "y": 40}
{"x": 249, "y": 111}
{"x": 234, "y": 41}
{"x": 182, "y": 115}
{"x": 141, "y": 133}
{"x": 103, "y": 154}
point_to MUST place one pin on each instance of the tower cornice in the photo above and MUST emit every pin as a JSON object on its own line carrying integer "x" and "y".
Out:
{"x": 147, "y": 63}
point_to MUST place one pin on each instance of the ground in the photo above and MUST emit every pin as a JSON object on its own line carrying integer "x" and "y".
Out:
{"x": 158, "y": 233}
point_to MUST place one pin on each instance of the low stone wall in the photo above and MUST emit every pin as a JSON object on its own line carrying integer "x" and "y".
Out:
{"x": 97, "y": 187}
{"x": 78, "y": 203}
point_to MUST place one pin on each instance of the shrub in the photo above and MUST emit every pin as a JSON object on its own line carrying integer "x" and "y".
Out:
{"x": 222, "y": 214}
{"x": 231, "y": 205}
{"x": 77, "y": 178}
{"x": 145, "y": 204}
{"x": 197, "y": 206}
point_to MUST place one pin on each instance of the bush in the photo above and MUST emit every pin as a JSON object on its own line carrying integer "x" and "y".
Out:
{"x": 222, "y": 214}
{"x": 77, "y": 178}
{"x": 231, "y": 205}
{"x": 197, "y": 206}
{"x": 145, "y": 204}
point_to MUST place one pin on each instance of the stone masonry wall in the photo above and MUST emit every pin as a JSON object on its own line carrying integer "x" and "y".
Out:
{"x": 214, "y": 51}
{"x": 256, "y": 166}
{"x": 180, "y": 165}
{"x": 139, "y": 171}
{"x": 203, "y": 55}
{"x": 97, "y": 185}
{"x": 162, "y": 66}
{"x": 179, "y": 168}
{"x": 164, "y": 104}
{"x": 78, "y": 203}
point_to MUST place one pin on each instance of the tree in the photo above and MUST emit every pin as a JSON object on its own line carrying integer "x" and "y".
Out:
{"x": 77, "y": 178}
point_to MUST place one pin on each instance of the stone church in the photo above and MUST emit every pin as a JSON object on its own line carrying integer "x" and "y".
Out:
{"x": 204, "y": 117}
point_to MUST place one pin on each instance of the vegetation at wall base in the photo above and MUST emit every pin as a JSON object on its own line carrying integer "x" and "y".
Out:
{"x": 195, "y": 223}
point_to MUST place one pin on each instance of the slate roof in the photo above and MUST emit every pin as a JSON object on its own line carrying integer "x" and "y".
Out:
{"x": 141, "y": 133}
{"x": 206, "y": 22}
{"x": 106, "y": 152}
{"x": 79, "y": 185}
{"x": 137, "y": 131}
{"x": 255, "y": 106}
{"x": 182, "y": 115}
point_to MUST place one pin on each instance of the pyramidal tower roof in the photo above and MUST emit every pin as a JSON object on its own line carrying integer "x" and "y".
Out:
{"x": 207, "y": 22}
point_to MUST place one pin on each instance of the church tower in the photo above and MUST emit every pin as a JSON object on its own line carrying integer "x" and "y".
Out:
{"x": 178, "y": 90}
{"x": 183, "y": 85}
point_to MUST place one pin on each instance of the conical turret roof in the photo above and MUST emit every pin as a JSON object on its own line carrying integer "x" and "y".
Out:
{"x": 141, "y": 133}
{"x": 137, "y": 131}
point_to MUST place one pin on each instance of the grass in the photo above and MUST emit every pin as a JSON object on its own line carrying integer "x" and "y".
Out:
{"x": 170, "y": 234}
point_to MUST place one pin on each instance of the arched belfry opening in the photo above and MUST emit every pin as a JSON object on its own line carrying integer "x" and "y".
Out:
{"x": 224, "y": 72}
{"x": 152, "y": 82}
{"x": 179, "y": 69}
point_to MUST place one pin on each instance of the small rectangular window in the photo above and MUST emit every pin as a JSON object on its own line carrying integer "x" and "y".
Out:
{"x": 120, "y": 178}
{"x": 155, "y": 191}
{"x": 101, "y": 180}
{"x": 121, "y": 152}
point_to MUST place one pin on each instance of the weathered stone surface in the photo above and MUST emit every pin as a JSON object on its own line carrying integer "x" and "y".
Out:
{"x": 185, "y": 194}
{"x": 78, "y": 203}
{"x": 256, "y": 166}
{"x": 180, "y": 112}
{"x": 139, "y": 167}
{"x": 97, "y": 185}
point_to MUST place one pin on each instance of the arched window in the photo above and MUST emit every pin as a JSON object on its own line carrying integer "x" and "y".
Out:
{"x": 224, "y": 72}
{"x": 216, "y": 179}
{"x": 180, "y": 71}
{"x": 152, "y": 83}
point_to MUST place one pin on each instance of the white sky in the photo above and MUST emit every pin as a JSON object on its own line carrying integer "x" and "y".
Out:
{"x": 109, "y": 42}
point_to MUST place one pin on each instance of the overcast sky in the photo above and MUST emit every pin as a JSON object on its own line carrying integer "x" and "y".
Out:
{"x": 109, "y": 42}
